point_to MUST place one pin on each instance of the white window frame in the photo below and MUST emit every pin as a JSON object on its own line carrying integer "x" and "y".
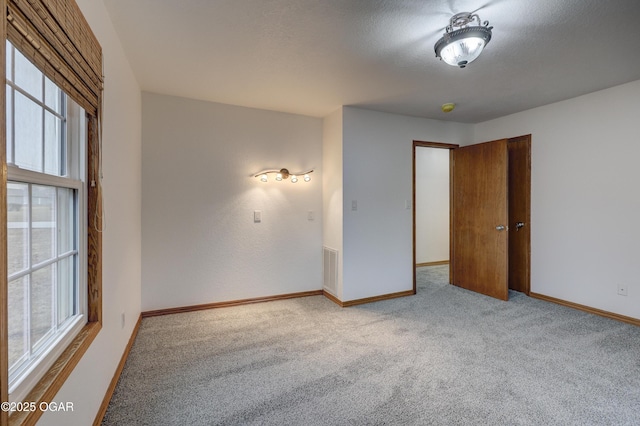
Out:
{"x": 75, "y": 133}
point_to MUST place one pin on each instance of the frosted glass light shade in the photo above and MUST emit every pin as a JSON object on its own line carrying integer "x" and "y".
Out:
{"x": 463, "y": 46}
{"x": 462, "y": 52}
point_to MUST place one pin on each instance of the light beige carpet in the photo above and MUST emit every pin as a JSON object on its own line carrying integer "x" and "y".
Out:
{"x": 444, "y": 357}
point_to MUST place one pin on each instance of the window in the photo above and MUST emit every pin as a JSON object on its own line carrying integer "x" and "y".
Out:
{"x": 55, "y": 36}
{"x": 46, "y": 230}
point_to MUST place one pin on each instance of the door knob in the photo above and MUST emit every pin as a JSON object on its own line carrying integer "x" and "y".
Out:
{"x": 519, "y": 225}
{"x": 500, "y": 228}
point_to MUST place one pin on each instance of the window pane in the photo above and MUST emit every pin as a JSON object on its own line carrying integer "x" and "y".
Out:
{"x": 9, "y": 68}
{"x": 42, "y": 282}
{"x": 66, "y": 218}
{"x": 52, "y": 144}
{"x": 66, "y": 286}
{"x": 17, "y": 320}
{"x": 17, "y": 226}
{"x": 28, "y": 133}
{"x": 43, "y": 216}
{"x": 9, "y": 112}
{"x": 52, "y": 96}
{"x": 27, "y": 76}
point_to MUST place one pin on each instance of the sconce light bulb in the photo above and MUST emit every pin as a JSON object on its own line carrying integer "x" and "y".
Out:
{"x": 279, "y": 177}
{"x": 294, "y": 179}
{"x": 307, "y": 178}
{"x": 263, "y": 177}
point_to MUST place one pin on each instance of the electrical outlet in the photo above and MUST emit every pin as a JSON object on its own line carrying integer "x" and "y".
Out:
{"x": 622, "y": 289}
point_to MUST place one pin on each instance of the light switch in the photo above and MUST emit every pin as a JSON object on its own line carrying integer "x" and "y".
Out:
{"x": 407, "y": 204}
{"x": 354, "y": 205}
{"x": 257, "y": 216}
{"x": 311, "y": 215}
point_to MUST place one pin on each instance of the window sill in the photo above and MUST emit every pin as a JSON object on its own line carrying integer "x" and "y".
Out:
{"x": 53, "y": 380}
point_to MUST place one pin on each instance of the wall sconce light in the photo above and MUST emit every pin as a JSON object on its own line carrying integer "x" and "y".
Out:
{"x": 283, "y": 174}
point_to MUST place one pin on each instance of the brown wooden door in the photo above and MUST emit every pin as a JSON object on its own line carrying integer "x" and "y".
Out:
{"x": 519, "y": 213}
{"x": 479, "y": 207}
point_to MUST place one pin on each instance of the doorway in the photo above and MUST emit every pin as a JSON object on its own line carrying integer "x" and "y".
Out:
{"x": 431, "y": 253}
{"x": 489, "y": 230}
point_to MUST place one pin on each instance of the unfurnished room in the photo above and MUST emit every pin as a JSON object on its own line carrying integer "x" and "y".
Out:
{"x": 288, "y": 212}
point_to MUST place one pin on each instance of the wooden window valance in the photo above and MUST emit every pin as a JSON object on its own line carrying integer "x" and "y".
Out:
{"x": 56, "y": 37}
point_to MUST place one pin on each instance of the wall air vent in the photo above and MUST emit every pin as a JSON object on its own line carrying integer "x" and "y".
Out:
{"x": 330, "y": 270}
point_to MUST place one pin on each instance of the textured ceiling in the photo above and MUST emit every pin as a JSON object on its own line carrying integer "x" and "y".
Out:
{"x": 312, "y": 56}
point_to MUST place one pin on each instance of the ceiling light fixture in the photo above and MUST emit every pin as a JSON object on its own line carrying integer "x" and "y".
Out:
{"x": 283, "y": 174}
{"x": 462, "y": 46}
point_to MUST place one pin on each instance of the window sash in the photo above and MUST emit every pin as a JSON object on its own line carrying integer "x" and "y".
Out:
{"x": 21, "y": 387}
{"x": 59, "y": 255}
{"x": 17, "y": 174}
{"x": 40, "y": 352}
{"x": 45, "y": 107}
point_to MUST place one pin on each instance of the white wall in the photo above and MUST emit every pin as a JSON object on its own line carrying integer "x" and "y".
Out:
{"x": 432, "y": 204}
{"x": 200, "y": 243}
{"x": 332, "y": 189}
{"x": 377, "y": 167}
{"x": 121, "y": 245}
{"x": 584, "y": 196}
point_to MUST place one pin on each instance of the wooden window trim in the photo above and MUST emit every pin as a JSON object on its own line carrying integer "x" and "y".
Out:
{"x": 4, "y": 296}
{"x": 52, "y": 381}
